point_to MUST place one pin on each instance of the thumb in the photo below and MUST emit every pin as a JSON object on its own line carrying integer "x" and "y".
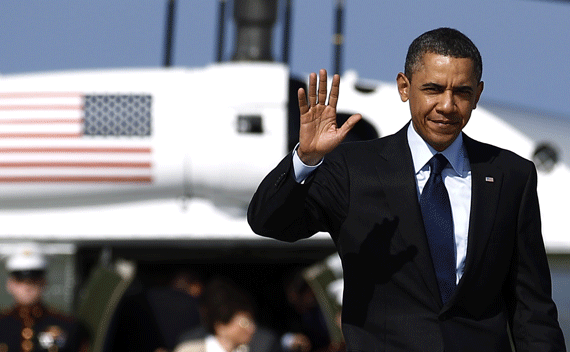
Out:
{"x": 349, "y": 124}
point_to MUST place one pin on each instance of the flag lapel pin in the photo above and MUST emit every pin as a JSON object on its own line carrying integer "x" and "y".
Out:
{"x": 489, "y": 179}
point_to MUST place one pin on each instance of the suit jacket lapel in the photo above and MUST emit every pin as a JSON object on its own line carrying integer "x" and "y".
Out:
{"x": 396, "y": 173}
{"x": 486, "y": 180}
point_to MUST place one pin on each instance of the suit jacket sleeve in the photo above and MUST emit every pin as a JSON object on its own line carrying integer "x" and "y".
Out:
{"x": 286, "y": 210}
{"x": 534, "y": 321}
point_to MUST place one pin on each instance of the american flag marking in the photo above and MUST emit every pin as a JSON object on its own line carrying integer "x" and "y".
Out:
{"x": 68, "y": 137}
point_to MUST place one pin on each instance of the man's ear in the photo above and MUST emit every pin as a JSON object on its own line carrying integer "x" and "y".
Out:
{"x": 478, "y": 93}
{"x": 403, "y": 86}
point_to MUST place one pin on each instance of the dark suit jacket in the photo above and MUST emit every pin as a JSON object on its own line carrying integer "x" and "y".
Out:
{"x": 365, "y": 196}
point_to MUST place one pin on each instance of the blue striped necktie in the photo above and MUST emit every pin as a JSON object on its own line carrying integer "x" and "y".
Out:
{"x": 436, "y": 212}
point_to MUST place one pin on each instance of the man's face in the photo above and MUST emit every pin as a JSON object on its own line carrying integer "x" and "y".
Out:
{"x": 25, "y": 292}
{"x": 442, "y": 93}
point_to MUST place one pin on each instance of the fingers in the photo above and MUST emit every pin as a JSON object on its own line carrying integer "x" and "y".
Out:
{"x": 333, "y": 97}
{"x": 313, "y": 89}
{"x": 303, "y": 107}
{"x": 322, "y": 86}
{"x": 321, "y": 98}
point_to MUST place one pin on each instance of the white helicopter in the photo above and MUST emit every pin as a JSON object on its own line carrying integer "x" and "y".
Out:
{"x": 156, "y": 154}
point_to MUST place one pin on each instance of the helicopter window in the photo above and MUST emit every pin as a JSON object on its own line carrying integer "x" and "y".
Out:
{"x": 249, "y": 124}
{"x": 545, "y": 157}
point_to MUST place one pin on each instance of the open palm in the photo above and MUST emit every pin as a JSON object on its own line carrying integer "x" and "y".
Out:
{"x": 319, "y": 133}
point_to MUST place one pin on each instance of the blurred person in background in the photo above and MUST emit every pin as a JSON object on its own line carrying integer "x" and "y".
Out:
{"x": 175, "y": 307}
{"x": 307, "y": 330}
{"x": 153, "y": 318}
{"x": 228, "y": 317}
{"x": 29, "y": 325}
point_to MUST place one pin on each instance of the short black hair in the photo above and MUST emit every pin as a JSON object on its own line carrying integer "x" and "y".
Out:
{"x": 443, "y": 41}
{"x": 221, "y": 301}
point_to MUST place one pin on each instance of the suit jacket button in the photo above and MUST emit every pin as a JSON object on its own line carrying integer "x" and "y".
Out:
{"x": 27, "y": 333}
{"x": 279, "y": 180}
{"x": 27, "y": 345}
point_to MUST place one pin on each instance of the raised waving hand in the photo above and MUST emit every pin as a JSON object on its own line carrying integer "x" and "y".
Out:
{"x": 319, "y": 133}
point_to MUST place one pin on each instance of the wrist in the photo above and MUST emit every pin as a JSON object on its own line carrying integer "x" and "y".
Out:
{"x": 309, "y": 159}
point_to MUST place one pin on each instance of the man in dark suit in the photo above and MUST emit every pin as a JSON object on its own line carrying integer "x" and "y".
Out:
{"x": 404, "y": 208}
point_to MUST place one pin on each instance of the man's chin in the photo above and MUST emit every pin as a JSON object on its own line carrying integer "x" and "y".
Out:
{"x": 442, "y": 141}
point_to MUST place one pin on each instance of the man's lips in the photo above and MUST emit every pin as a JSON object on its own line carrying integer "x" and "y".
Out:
{"x": 444, "y": 125}
{"x": 445, "y": 122}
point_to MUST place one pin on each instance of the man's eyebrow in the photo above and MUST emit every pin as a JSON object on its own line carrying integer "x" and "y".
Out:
{"x": 463, "y": 89}
{"x": 432, "y": 85}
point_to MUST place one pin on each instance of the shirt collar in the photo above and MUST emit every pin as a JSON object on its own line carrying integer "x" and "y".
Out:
{"x": 213, "y": 345}
{"x": 422, "y": 152}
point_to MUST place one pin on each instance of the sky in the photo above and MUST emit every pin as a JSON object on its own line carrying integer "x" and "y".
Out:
{"x": 525, "y": 44}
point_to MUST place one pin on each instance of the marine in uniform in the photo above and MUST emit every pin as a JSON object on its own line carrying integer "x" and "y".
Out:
{"x": 29, "y": 325}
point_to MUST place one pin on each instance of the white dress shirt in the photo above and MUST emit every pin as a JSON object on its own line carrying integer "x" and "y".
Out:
{"x": 213, "y": 345}
{"x": 456, "y": 177}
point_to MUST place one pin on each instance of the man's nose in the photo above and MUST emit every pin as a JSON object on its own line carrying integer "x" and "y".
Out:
{"x": 446, "y": 103}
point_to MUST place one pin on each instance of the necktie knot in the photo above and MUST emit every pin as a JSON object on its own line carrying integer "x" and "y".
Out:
{"x": 437, "y": 163}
